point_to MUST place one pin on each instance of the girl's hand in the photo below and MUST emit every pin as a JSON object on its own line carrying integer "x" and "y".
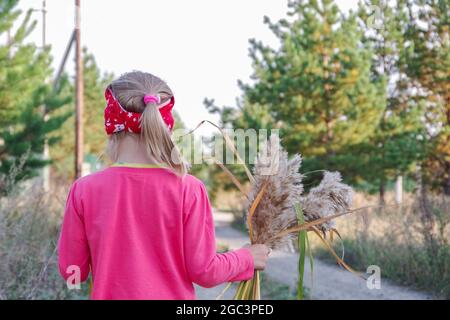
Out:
{"x": 260, "y": 253}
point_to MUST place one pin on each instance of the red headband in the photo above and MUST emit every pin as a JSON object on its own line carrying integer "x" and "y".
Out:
{"x": 118, "y": 119}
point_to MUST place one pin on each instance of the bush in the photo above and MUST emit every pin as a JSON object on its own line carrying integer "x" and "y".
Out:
{"x": 29, "y": 229}
{"x": 410, "y": 247}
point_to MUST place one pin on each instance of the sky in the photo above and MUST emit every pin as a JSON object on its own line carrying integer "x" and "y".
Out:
{"x": 199, "y": 47}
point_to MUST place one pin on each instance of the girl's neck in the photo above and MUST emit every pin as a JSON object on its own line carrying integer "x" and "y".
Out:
{"x": 131, "y": 150}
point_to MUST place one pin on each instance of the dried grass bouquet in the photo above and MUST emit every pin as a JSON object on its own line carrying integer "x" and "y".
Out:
{"x": 279, "y": 211}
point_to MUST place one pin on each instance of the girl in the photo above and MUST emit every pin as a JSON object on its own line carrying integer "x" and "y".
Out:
{"x": 143, "y": 226}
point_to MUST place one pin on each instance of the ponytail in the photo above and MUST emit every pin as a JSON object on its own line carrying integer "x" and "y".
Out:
{"x": 157, "y": 140}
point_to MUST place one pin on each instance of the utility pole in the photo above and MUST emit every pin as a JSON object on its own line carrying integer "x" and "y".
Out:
{"x": 44, "y": 23}
{"x": 43, "y": 10}
{"x": 78, "y": 95}
{"x": 46, "y": 153}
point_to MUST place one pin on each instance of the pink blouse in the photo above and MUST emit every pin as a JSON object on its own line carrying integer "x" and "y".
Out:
{"x": 145, "y": 233}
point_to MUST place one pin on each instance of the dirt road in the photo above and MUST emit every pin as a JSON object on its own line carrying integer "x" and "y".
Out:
{"x": 330, "y": 282}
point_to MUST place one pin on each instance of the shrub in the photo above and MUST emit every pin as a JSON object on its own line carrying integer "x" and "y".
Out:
{"x": 29, "y": 229}
{"x": 409, "y": 248}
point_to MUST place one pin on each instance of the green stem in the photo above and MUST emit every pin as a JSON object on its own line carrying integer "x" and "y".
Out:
{"x": 302, "y": 253}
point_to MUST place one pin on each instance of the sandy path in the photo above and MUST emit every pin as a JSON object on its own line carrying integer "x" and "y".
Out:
{"x": 330, "y": 282}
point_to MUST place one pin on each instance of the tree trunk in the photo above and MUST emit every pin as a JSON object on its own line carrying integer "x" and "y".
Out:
{"x": 399, "y": 190}
{"x": 447, "y": 180}
{"x": 382, "y": 191}
{"x": 426, "y": 212}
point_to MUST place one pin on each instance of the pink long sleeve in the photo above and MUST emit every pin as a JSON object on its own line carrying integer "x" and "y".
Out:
{"x": 73, "y": 246}
{"x": 206, "y": 267}
{"x": 144, "y": 233}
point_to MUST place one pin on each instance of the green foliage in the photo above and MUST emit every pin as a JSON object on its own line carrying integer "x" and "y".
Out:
{"x": 28, "y": 102}
{"x": 316, "y": 87}
{"x": 428, "y": 66}
{"x": 349, "y": 95}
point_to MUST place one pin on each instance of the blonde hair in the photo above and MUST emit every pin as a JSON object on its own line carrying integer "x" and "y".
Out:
{"x": 129, "y": 90}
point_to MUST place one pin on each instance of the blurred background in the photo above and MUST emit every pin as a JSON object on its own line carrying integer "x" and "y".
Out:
{"x": 362, "y": 87}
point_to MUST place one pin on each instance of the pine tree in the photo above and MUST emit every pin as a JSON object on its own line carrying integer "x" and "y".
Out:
{"x": 317, "y": 87}
{"x": 28, "y": 103}
{"x": 397, "y": 143}
{"x": 428, "y": 56}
